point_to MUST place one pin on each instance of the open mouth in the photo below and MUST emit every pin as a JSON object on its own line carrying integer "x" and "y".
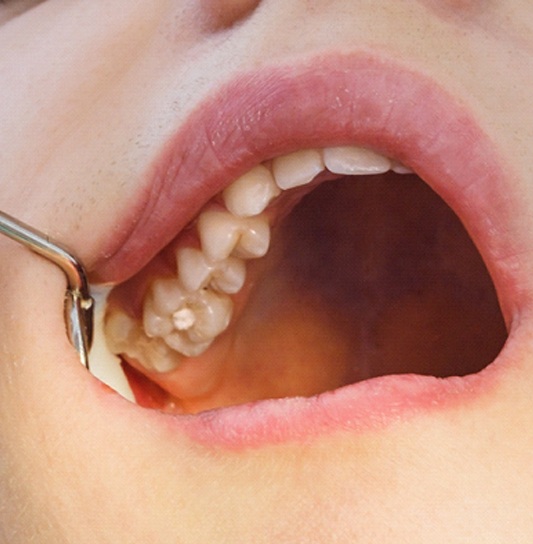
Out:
{"x": 315, "y": 267}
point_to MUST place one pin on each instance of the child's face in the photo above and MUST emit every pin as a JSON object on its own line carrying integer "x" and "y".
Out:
{"x": 120, "y": 121}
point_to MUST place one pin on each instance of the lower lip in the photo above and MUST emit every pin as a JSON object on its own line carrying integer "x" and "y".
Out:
{"x": 443, "y": 144}
{"x": 372, "y": 405}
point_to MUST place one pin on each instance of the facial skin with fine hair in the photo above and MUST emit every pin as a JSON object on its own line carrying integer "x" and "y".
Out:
{"x": 370, "y": 380}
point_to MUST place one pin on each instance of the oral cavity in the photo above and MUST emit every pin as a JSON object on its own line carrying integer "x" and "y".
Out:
{"x": 184, "y": 312}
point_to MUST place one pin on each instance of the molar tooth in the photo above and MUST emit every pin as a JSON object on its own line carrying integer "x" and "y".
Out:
{"x": 154, "y": 323}
{"x": 251, "y": 193}
{"x": 298, "y": 168}
{"x": 222, "y": 233}
{"x": 212, "y": 315}
{"x": 121, "y": 331}
{"x": 156, "y": 355}
{"x": 353, "y": 161}
{"x": 196, "y": 272}
{"x": 209, "y": 314}
{"x": 166, "y": 295}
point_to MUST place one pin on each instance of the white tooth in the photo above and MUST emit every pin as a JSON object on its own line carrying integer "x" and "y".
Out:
{"x": 221, "y": 233}
{"x": 154, "y": 323}
{"x": 121, "y": 331}
{"x": 193, "y": 269}
{"x": 298, "y": 168}
{"x": 255, "y": 238}
{"x": 353, "y": 161}
{"x": 210, "y": 315}
{"x": 196, "y": 272}
{"x": 213, "y": 314}
{"x": 183, "y": 319}
{"x": 184, "y": 345}
{"x": 251, "y": 193}
{"x": 229, "y": 276}
{"x": 156, "y": 355}
{"x": 166, "y": 295}
{"x": 399, "y": 168}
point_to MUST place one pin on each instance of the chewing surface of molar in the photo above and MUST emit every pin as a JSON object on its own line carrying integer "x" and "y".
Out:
{"x": 182, "y": 315}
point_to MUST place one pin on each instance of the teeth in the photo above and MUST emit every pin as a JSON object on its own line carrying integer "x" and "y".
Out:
{"x": 187, "y": 321}
{"x": 399, "y": 168}
{"x": 251, "y": 194}
{"x": 221, "y": 234}
{"x": 196, "y": 272}
{"x": 297, "y": 168}
{"x": 353, "y": 161}
{"x": 182, "y": 315}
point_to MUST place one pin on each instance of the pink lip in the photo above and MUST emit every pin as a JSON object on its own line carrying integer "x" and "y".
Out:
{"x": 330, "y": 101}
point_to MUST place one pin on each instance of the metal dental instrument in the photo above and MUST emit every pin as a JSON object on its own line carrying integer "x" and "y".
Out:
{"x": 79, "y": 305}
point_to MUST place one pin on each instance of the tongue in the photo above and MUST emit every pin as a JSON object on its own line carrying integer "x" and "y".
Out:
{"x": 364, "y": 278}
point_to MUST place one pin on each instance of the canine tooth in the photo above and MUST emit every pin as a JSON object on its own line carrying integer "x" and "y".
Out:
{"x": 221, "y": 233}
{"x": 196, "y": 272}
{"x": 352, "y": 161}
{"x": 298, "y": 168}
{"x": 251, "y": 193}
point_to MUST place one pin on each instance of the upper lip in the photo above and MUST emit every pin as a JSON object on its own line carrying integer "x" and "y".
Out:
{"x": 332, "y": 100}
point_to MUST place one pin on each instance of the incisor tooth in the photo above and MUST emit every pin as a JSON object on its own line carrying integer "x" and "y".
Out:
{"x": 196, "y": 272}
{"x": 222, "y": 233}
{"x": 298, "y": 168}
{"x": 353, "y": 161}
{"x": 251, "y": 193}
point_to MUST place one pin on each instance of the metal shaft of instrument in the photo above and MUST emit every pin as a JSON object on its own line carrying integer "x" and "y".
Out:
{"x": 80, "y": 303}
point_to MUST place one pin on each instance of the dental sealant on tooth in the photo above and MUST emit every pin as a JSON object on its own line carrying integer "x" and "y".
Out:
{"x": 182, "y": 315}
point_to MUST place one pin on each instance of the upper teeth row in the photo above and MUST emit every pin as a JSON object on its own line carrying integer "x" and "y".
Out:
{"x": 188, "y": 312}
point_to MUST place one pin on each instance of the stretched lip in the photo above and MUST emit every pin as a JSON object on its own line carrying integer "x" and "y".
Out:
{"x": 333, "y": 100}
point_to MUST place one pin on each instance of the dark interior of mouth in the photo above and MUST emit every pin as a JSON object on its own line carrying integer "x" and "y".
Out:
{"x": 365, "y": 277}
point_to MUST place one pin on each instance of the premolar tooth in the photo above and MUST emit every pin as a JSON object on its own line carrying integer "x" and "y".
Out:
{"x": 196, "y": 271}
{"x": 298, "y": 168}
{"x": 353, "y": 161}
{"x": 222, "y": 233}
{"x": 251, "y": 193}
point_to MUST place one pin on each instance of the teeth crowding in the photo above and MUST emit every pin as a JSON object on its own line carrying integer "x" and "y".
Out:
{"x": 183, "y": 315}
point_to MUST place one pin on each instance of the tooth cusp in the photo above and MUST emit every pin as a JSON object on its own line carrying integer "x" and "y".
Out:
{"x": 223, "y": 234}
{"x": 250, "y": 194}
{"x": 298, "y": 168}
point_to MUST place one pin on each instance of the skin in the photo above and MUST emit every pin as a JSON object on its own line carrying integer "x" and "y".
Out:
{"x": 79, "y": 129}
